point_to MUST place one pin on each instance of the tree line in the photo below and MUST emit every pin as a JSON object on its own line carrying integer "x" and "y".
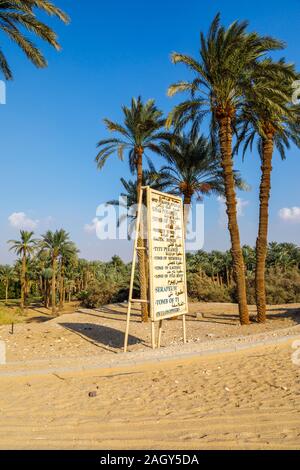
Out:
{"x": 49, "y": 271}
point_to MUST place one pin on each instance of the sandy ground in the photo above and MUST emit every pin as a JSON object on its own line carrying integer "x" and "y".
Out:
{"x": 102, "y": 332}
{"x": 244, "y": 400}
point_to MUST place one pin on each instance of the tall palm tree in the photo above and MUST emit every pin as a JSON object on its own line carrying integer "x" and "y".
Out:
{"x": 274, "y": 122}
{"x": 193, "y": 169}
{"x": 54, "y": 243}
{"x": 7, "y": 276}
{"x": 142, "y": 130}
{"x": 228, "y": 58}
{"x": 19, "y": 15}
{"x": 23, "y": 248}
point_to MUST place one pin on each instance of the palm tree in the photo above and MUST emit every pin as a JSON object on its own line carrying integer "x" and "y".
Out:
{"x": 227, "y": 259}
{"x": 70, "y": 286}
{"x": 193, "y": 169}
{"x": 16, "y": 15}
{"x": 142, "y": 130}
{"x": 24, "y": 248}
{"x": 47, "y": 277}
{"x": 283, "y": 255}
{"x": 7, "y": 276}
{"x": 54, "y": 243}
{"x": 228, "y": 59}
{"x": 151, "y": 178}
{"x": 68, "y": 253}
{"x": 274, "y": 122}
{"x": 249, "y": 257}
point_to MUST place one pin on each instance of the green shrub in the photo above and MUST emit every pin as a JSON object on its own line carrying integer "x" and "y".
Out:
{"x": 98, "y": 294}
{"x": 281, "y": 287}
{"x": 201, "y": 288}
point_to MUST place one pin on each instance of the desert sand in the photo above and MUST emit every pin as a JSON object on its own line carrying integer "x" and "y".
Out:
{"x": 240, "y": 401}
{"x": 244, "y": 400}
{"x": 101, "y": 332}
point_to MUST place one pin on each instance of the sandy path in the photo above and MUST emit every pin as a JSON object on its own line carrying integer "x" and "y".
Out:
{"x": 249, "y": 399}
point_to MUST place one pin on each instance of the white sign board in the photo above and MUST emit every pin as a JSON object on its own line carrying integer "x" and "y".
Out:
{"x": 167, "y": 266}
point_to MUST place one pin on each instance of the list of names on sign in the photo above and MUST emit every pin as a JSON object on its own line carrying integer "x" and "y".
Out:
{"x": 168, "y": 291}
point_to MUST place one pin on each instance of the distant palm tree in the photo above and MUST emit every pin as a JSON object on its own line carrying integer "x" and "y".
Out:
{"x": 24, "y": 248}
{"x": 249, "y": 257}
{"x": 142, "y": 129}
{"x": 283, "y": 255}
{"x": 47, "y": 277}
{"x": 193, "y": 169}
{"x": 129, "y": 200}
{"x": 16, "y": 15}
{"x": 68, "y": 254}
{"x": 274, "y": 122}
{"x": 7, "y": 276}
{"x": 228, "y": 59}
{"x": 54, "y": 243}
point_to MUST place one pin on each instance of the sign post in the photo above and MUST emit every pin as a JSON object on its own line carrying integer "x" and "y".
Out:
{"x": 167, "y": 264}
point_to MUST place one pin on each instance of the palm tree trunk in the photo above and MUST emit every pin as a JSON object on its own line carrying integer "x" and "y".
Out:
{"x": 6, "y": 292}
{"x": 41, "y": 283}
{"x": 227, "y": 277}
{"x": 61, "y": 288}
{"x": 262, "y": 239}
{"x": 53, "y": 304}
{"x": 47, "y": 294}
{"x": 23, "y": 275}
{"x": 26, "y": 291}
{"x": 186, "y": 211}
{"x": 225, "y": 135}
{"x": 142, "y": 257}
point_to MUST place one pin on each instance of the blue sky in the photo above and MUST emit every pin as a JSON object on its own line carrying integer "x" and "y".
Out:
{"x": 111, "y": 52}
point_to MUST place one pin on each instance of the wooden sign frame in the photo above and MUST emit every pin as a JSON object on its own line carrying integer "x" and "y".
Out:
{"x": 149, "y": 191}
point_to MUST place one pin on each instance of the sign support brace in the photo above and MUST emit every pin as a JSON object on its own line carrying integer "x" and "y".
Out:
{"x": 133, "y": 269}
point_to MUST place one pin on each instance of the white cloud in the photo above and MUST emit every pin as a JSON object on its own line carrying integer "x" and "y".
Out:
{"x": 20, "y": 221}
{"x": 92, "y": 228}
{"x": 241, "y": 204}
{"x": 48, "y": 221}
{"x": 291, "y": 214}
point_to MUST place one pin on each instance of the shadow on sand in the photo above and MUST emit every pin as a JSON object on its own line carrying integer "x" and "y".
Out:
{"x": 41, "y": 319}
{"x": 101, "y": 336}
{"x": 287, "y": 312}
{"x": 120, "y": 315}
{"x": 290, "y": 313}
